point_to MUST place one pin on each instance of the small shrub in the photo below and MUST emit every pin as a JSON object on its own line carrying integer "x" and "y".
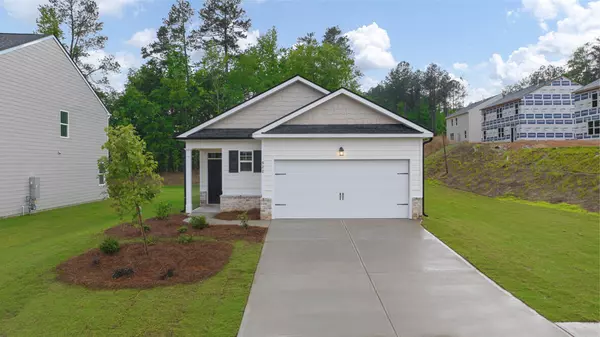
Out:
{"x": 122, "y": 272}
{"x": 184, "y": 238}
{"x": 146, "y": 228}
{"x": 198, "y": 222}
{"x": 243, "y": 217}
{"x": 163, "y": 209}
{"x": 109, "y": 246}
{"x": 182, "y": 229}
{"x": 152, "y": 240}
{"x": 168, "y": 274}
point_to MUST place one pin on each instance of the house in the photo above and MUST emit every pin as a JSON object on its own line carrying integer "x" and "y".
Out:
{"x": 465, "y": 123}
{"x": 538, "y": 112}
{"x": 300, "y": 151}
{"x": 52, "y": 127}
{"x": 586, "y": 111}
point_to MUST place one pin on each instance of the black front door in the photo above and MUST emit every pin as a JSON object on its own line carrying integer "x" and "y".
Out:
{"x": 215, "y": 173}
{"x": 512, "y": 134}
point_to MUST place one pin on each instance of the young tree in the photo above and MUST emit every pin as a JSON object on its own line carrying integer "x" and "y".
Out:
{"x": 224, "y": 23}
{"x": 80, "y": 19}
{"x": 130, "y": 174}
{"x": 543, "y": 74}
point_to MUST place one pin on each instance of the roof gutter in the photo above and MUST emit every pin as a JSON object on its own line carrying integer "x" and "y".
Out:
{"x": 423, "y": 180}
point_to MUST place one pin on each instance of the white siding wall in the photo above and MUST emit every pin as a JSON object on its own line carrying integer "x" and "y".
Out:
{"x": 456, "y": 127}
{"x": 270, "y": 108}
{"x": 365, "y": 148}
{"x": 342, "y": 110}
{"x": 36, "y": 83}
{"x": 234, "y": 184}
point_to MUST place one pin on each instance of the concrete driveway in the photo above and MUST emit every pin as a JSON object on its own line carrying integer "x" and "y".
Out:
{"x": 376, "y": 278}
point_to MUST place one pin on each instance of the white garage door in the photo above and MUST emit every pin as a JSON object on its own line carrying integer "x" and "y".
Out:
{"x": 341, "y": 189}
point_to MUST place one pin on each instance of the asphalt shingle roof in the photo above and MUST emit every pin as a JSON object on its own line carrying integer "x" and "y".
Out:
{"x": 470, "y": 106}
{"x": 10, "y": 40}
{"x": 513, "y": 96}
{"x": 343, "y": 128}
{"x": 588, "y": 86}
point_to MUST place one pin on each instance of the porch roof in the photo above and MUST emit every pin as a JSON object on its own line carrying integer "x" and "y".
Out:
{"x": 221, "y": 134}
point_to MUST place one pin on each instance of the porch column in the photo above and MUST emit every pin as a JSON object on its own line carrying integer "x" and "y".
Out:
{"x": 188, "y": 181}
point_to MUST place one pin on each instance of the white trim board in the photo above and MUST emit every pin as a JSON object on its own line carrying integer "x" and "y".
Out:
{"x": 261, "y": 132}
{"x": 254, "y": 100}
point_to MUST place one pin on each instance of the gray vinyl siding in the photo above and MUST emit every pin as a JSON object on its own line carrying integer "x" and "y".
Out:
{"x": 342, "y": 110}
{"x": 37, "y": 82}
{"x": 270, "y": 108}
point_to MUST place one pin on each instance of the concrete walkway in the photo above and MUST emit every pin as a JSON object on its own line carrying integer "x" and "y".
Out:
{"x": 376, "y": 278}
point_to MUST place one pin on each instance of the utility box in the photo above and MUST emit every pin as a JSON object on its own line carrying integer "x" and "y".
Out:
{"x": 34, "y": 188}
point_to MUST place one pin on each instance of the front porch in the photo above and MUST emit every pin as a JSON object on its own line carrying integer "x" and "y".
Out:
{"x": 210, "y": 211}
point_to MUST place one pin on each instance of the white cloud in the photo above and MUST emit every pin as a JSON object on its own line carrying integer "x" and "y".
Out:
{"x": 27, "y": 10}
{"x": 371, "y": 45}
{"x": 460, "y": 66}
{"x": 367, "y": 83}
{"x": 509, "y": 13}
{"x": 142, "y": 38}
{"x": 250, "y": 40}
{"x": 127, "y": 61}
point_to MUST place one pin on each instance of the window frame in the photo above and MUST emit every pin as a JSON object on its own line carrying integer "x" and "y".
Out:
{"x": 66, "y": 124}
{"x": 594, "y": 100}
{"x": 251, "y": 161}
{"x": 594, "y": 126}
{"x": 103, "y": 175}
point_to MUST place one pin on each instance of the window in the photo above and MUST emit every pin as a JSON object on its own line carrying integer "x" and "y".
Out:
{"x": 594, "y": 128}
{"x": 484, "y": 135}
{"x": 452, "y": 136}
{"x": 501, "y": 132}
{"x": 64, "y": 124}
{"x": 101, "y": 176}
{"x": 214, "y": 155}
{"x": 456, "y": 121}
{"x": 245, "y": 161}
{"x": 594, "y": 100}
{"x": 465, "y": 134}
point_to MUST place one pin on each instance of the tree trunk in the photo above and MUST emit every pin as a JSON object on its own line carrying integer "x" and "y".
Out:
{"x": 445, "y": 155}
{"x": 141, "y": 224}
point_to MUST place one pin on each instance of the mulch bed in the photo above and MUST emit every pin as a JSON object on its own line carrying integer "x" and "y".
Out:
{"x": 188, "y": 263}
{"x": 168, "y": 228}
{"x": 253, "y": 214}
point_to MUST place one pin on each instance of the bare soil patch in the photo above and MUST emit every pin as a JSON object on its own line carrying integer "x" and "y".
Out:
{"x": 169, "y": 228}
{"x": 167, "y": 263}
{"x": 253, "y": 214}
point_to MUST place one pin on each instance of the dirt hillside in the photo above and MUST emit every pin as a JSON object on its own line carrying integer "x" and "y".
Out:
{"x": 533, "y": 171}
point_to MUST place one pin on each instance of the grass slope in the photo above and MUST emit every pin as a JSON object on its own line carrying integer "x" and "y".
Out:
{"x": 35, "y": 304}
{"x": 547, "y": 257}
{"x": 565, "y": 174}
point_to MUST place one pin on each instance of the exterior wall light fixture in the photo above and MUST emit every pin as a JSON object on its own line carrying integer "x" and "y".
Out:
{"x": 341, "y": 152}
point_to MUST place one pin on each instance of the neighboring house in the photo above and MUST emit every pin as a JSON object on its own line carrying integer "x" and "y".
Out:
{"x": 465, "y": 123}
{"x": 586, "y": 111}
{"x": 538, "y": 112}
{"x": 300, "y": 151}
{"x": 52, "y": 126}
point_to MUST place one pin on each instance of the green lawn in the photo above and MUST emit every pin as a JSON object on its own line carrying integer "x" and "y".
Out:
{"x": 32, "y": 303}
{"x": 546, "y": 256}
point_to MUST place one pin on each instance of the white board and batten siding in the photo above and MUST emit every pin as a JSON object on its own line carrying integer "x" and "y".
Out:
{"x": 396, "y": 150}
{"x": 36, "y": 83}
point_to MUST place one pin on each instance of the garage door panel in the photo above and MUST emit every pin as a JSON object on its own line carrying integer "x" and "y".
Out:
{"x": 311, "y": 189}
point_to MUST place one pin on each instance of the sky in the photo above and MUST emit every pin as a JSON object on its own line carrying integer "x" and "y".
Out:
{"x": 486, "y": 44}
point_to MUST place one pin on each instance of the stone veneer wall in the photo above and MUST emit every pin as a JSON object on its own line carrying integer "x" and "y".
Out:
{"x": 203, "y": 198}
{"x": 417, "y": 208}
{"x": 239, "y": 202}
{"x": 265, "y": 209}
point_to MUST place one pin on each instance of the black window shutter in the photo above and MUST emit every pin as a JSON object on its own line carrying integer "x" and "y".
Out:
{"x": 257, "y": 161}
{"x": 233, "y": 161}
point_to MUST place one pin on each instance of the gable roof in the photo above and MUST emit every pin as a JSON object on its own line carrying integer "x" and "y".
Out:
{"x": 517, "y": 95}
{"x": 253, "y": 100}
{"x": 590, "y": 86}
{"x": 264, "y": 132}
{"x": 25, "y": 40}
{"x": 12, "y": 40}
{"x": 466, "y": 109}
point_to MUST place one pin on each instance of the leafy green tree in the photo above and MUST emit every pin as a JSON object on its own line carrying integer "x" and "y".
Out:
{"x": 543, "y": 74}
{"x": 49, "y": 22}
{"x": 333, "y": 35}
{"x": 224, "y": 23}
{"x": 584, "y": 64}
{"x": 81, "y": 27}
{"x": 131, "y": 176}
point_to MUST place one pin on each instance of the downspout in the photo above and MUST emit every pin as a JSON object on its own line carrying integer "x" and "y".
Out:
{"x": 423, "y": 180}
